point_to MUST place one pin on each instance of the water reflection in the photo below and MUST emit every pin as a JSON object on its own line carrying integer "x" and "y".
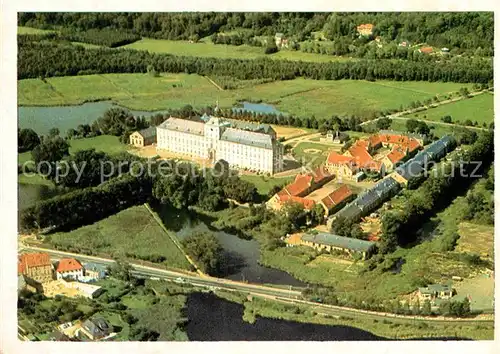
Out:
{"x": 215, "y": 319}
{"x": 241, "y": 256}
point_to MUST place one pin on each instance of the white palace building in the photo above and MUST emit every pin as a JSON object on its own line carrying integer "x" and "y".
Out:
{"x": 242, "y": 144}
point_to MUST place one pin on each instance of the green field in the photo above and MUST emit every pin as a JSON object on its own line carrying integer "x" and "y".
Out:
{"x": 30, "y": 30}
{"x": 477, "y": 109}
{"x": 312, "y": 153}
{"x": 208, "y": 49}
{"x": 301, "y": 97}
{"x": 264, "y": 184}
{"x": 132, "y": 233}
{"x": 107, "y": 143}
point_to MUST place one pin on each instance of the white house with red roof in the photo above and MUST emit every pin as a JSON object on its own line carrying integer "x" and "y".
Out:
{"x": 69, "y": 268}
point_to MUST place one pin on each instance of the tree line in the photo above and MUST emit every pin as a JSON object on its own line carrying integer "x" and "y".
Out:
{"x": 436, "y": 190}
{"x": 38, "y": 59}
{"x": 108, "y": 37}
{"x": 93, "y": 198}
{"x": 463, "y": 30}
{"x": 88, "y": 205}
{"x": 451, "y": 308}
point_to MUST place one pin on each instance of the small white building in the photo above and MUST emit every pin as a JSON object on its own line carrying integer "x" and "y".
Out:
{"x": 69, "y": 268}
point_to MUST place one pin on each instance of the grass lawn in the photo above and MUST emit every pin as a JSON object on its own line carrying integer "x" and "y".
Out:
{"x": 264, "y": 184}
{"x": 313, "y": 153}
{"x": 208, "y": 49}
{"x": 132, "y": 233}
{"x": 303, "y": 264}
{"x": 477, "y": 109}
{"x": 30, "y": 30}
{"x": 437, "y": 129}
{"x": 35, "y": 179}
{"x": 300, "y": 97}
{"x": 107, "y": 143}
{"x": 475, "y": 238}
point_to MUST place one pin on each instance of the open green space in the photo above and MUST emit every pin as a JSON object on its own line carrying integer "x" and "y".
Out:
{"x": 301, "y": 97}
{"x": 424, "y": 263}
{"x": 476, "y": 238}
{"x": 476, "y": 109}
{"x": 264, "y": 183}
{"x": 208, "y": 49}
{"x": 132, "y": 233}
{"x": 31, "y": 30}
{"x": 107, "y": 143}
{"x": 312, "y": 153}
{"x": 437, "y": 129}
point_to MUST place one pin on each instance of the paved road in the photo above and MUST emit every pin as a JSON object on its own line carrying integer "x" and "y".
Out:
{"x": 274, "y": 293}
{"x": 188, "y": 277}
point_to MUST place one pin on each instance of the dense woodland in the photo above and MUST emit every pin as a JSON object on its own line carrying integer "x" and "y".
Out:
{"x": 107, "y": 37}
{"x": 52, "y": 59}
{"x": 463, "y": 30}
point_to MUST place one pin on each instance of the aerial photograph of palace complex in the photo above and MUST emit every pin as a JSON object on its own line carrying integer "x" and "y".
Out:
{"x": 255, "y": 176}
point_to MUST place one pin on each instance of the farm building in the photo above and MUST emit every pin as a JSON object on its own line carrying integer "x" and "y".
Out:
{"x": 336, "y": 199}
{"x": 299, "y": 188}
{"x": 36, "y": 266}
{"x": 143, "y": 137}
{"x": 369, "y": 200}
{"x": 420, "y": 163}
{"x": 365, "y": 29}
{"x": 69, "y": 268}
{"x": 435, "y": 291}
{"x": 96, "y": 328}
{"x": 94, "y": 271}
{"x": 331, "y": 242}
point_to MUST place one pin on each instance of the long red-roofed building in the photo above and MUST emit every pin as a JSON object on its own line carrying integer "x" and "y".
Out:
{"x": 303, "y": 185}
{"x": 336, "y": 199}
{"x": 359, "y": 156}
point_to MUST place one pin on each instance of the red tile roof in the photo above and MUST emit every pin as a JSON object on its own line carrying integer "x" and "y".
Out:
{"x": 336, "y": 158}
{"x": 401, "y": 140}
{"x": 306, "y": 203}
{"x": 396, "y": 155}
{"x": 299, "y": 186}
{"x": 33, "y": 260}
{"x": 426, "y": 50}
{"x": 68, "y": 265}
{"x": 365, "y": 26}
{"x": 337, "y": 196}
{"x": 320, "y": 175}
{"x": 363, "y": 157}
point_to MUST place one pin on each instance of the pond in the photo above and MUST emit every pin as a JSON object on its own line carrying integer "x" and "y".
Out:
{"x": 42, "y": 119}
{"x": 28, "y": 194}
{"x": 214, "y": 319}
{"x": 258, "y": 108}
{"x": 241, "y": 256}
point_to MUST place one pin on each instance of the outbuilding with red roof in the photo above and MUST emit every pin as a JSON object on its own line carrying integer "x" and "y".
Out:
{"x": 69, "y": 268}
{"x": 36, "y": 266}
